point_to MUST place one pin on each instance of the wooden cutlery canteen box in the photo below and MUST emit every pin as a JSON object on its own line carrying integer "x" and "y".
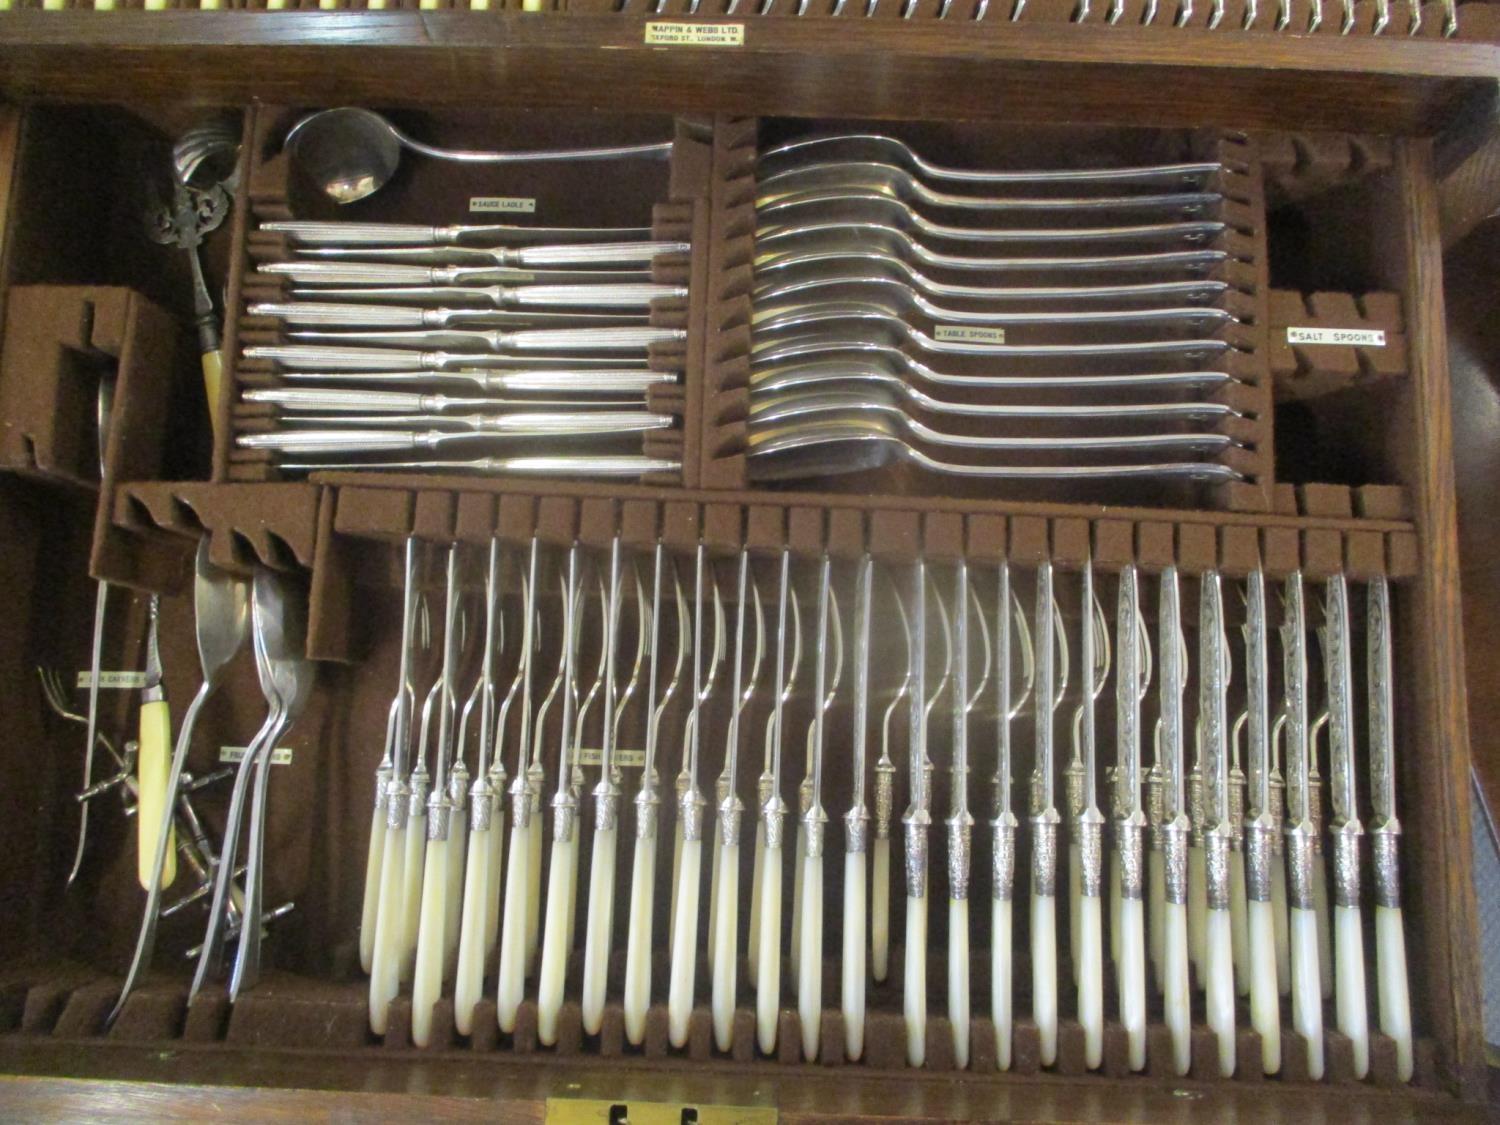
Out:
{"x": 1334, "y": 155}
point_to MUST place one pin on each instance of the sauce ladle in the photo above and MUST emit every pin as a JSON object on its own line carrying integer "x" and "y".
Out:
{"x": 350, "y": 153}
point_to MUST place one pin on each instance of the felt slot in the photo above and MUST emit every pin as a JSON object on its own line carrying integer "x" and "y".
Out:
{"x": 662, "y": 195}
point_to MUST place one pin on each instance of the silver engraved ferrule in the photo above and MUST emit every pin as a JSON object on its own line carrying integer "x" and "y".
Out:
{"x": 606, "y": 808}
{"x": 1044, "y": 854}
{"x": 481, "y": 804}
{"x": 417, "y": 802}
{"x": 1300, "y": 860}
{"x": 916, "y": 857}
{"x": 646, "y": 804}
{"x": 1346, "y": 863}
{"x": 1216, "y": 869}
{"x": 1003, "y": 858}
{"x": 773, "y": 812}
{"x": 1130, "y": 846}
{"x": 397, "y": 805}
{"x": 1260, "y": 854}
{"x": 813, "y": 823}
{"x": 1385, "y": 845}
{"x": 960, "y": 854}
{"x": 439, "y": 816}
{"x": 382, "y": 789}
{"x": 564, "y": 816}
{"x": 885, "y": 798}
{"x": 731, "y": 813}
{"x": 690, "y": 808}
{"x": 1175, "y": 862}
{"x": 520, "y": 803}
{"x": 857, "y": 830}
{"x": 1090, "y": 829}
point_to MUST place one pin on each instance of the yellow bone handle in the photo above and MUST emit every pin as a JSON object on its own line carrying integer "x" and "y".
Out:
{"x": 151, "y": 770}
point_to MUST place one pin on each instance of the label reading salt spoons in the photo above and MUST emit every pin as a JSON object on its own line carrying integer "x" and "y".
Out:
{"x": 675, "y": 34}
{"x": 1345, "y": 337}
{"x": 502, "y": 205}
{"x": 968, "y": 334}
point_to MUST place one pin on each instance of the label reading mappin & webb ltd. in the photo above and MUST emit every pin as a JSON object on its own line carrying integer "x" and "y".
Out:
{"x": 675, "y": 34}
{"x": 502, "y": 205}
{"x": 1347, "y": 337}
{"x": 968, "y": 334}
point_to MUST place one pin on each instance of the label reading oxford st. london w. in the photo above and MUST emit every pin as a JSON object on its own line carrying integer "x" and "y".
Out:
{"x": 674, "y": 34}
{"x": 1343, "y": 337}
{"x": 968, "y": 334}
{"x": 501, "y": 205}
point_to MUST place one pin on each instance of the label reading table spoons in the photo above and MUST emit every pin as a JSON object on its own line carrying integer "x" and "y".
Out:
{"x": 968, "y": 334}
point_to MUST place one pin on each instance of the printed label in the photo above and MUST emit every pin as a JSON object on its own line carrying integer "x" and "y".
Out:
{"x": 625, "y": 759}
{"x": 1348, "y": 337}
{"x": 968, "y": 334}
{"x": 114, "y": 680}
{"x": 695, "y": 34}
{"x": 281, "y": 756}
{"x": 502, "y": 204}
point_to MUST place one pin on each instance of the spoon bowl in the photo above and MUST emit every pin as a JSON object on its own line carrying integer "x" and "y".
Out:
{"x": 799, "y": 450}
{"x": 825, "y": 235}
{"x": 879, "y": 147}
{"x": 859, "y": 263}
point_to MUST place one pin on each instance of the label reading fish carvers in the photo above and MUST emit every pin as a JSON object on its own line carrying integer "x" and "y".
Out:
{"x": 1345, "y": 337}
{"x": 502, "y": 204}
{"x": 968, "y": 334}
{"x": 675, "y": 34}
{"x": 231, "y": 755}
{"x": 625, "y": 759}
{"x": 128, "y": 680}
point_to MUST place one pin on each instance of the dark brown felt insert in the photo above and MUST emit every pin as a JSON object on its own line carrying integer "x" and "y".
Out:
{"x": 348, "y": 531}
